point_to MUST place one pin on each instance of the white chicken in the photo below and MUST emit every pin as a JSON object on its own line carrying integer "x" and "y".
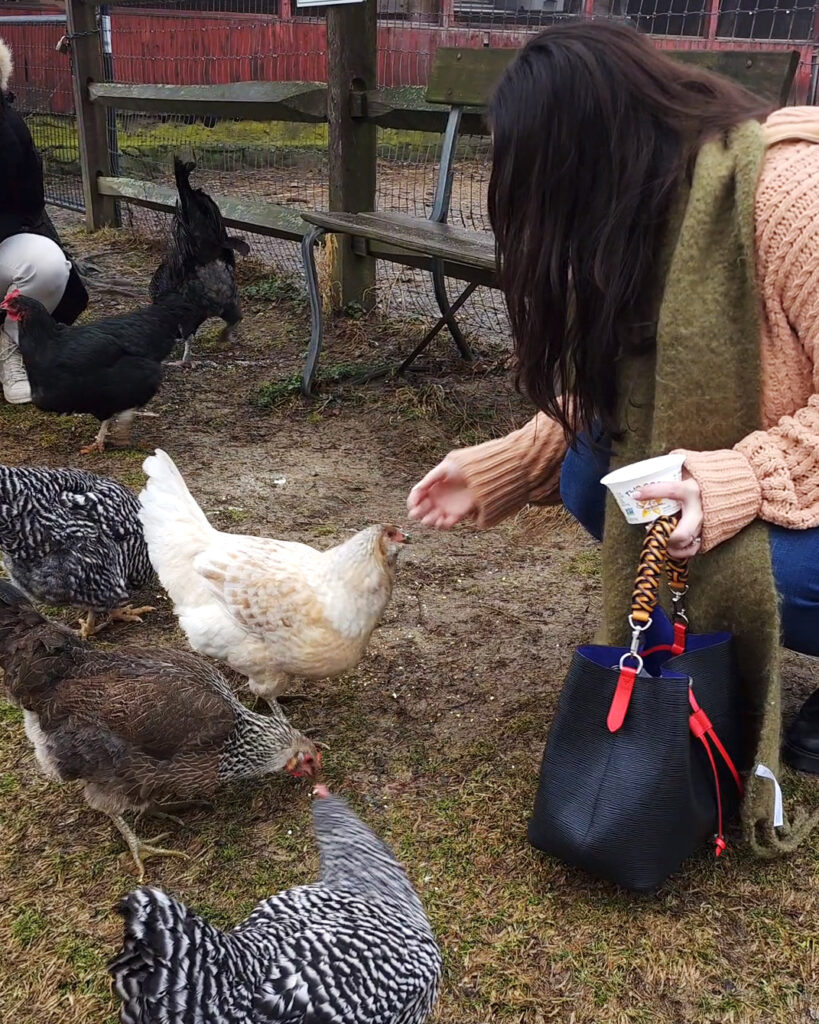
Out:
{"x": 271, "y": 609}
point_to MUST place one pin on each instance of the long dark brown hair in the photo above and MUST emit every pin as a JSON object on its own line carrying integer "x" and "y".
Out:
{"x": 593, "y": 132}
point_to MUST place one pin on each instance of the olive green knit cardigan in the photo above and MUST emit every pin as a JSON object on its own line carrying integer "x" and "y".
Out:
{"x": 700, "y": 390}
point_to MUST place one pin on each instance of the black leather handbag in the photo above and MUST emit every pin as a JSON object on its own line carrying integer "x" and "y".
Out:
{"x": 639, "y": 769}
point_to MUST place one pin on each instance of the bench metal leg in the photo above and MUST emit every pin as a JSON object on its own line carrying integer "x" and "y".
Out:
{"x": 443, "y": 322}
{"x": 308, "y": 256}
{"x": 439, "y": 286}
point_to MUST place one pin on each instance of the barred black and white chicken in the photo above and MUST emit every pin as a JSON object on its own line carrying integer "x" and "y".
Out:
{"x": 140, "y": 727}
{"x": 201, "y": 261}
{"x": 72, "y": 538}
{"x": 353, "y": 948}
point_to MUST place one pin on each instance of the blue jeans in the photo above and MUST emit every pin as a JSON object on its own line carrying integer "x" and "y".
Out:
{"x": 794, "y": 553}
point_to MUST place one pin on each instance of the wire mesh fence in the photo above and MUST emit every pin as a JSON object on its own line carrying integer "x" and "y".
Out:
{"x": 42, "y": 90}
{"x": 213, "y": 42}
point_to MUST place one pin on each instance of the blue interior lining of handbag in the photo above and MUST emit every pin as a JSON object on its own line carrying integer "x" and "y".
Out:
{"x": 660, "y": 632}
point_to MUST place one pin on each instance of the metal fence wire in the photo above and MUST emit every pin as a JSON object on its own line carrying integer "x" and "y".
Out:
{"x": 185, "y": 42}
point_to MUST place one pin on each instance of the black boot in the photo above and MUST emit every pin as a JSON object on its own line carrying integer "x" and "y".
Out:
{"x": 801, "y": 747}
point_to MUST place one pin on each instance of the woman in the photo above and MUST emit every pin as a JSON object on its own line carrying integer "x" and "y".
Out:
{"x": 598, "y": 138}
{"x": 31, "y": 258}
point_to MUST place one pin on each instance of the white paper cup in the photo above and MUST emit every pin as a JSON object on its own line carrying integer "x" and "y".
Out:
{"x": 624, "y": 482}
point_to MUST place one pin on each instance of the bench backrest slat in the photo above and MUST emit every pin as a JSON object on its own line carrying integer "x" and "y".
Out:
{"x": 466, "y": 77}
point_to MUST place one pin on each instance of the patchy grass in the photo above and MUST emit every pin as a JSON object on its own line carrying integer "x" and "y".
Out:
{"x": 436, "y": 736}
{"x": 277, "y": 288}
{"x": 585, "y": 564}
{"x": 275, "y": 392}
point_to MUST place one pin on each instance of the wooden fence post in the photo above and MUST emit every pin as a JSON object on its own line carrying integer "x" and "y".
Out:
{"x": 92, "y": 130}
{"x": 352, "y": 60}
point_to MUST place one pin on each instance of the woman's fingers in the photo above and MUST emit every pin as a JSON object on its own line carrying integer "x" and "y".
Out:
{"x": 685, "y": 548}
{"x": 420, "y": 492}
{"x": 419, "y": 508}
{"x": 685, "y": 540}
{"x": 676, "y": 490}
{"x": 689, "y": 528}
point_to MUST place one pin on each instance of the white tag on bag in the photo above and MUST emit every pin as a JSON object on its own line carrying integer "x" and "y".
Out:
{"x": 765, "y": 773}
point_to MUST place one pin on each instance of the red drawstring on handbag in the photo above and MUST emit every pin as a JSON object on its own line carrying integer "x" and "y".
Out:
{"x": 702, "y": 727}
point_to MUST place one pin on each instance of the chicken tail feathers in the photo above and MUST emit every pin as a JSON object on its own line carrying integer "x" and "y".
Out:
{"x": 167, "y": 489}
{"x": 161, "y": 940}
{"x": 17, "y": 614}
{"x": 176, "y": 529}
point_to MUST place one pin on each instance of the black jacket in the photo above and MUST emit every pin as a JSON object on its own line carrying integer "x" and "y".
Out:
{"x": 22, "y": 199}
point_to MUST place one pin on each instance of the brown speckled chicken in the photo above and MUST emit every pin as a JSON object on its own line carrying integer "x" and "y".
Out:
{"x": 141, "y": 728}
{"x": 272, "y": 609}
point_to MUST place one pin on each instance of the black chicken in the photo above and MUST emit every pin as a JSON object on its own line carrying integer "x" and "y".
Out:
{"x": 109, "y": 368}
{"x": 201, "y": 262}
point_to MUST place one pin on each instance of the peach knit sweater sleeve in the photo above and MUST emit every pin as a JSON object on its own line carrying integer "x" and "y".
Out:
{"x": 520, "y": 469}
{"x": 772, "y": 473}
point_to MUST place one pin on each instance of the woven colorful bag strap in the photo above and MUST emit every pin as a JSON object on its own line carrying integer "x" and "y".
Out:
{"x": 651, "y": 569}
{"x": 653, "y": 566}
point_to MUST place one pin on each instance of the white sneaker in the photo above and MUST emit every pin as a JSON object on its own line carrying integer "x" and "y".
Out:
{"x": 16, "y": 388}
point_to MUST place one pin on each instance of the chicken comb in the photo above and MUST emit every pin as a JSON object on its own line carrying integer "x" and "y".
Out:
{"x": 11, "y": 295}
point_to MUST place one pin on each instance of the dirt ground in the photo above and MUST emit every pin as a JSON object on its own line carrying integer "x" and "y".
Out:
{"x": 436, "y": 737}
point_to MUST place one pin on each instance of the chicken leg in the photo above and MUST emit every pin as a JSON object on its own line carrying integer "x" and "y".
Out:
{"x": 269, "y": 687}
{"x": 98, "y": 444}
{"x": 140, "y": 849}
{"x": 185, "y": 362}
{"x": 88, "y": 626}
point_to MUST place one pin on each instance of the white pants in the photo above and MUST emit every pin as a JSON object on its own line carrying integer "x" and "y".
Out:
{"x": 35, "y": 265}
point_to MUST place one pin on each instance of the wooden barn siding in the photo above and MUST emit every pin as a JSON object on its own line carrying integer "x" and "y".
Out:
{"x": 198, "y": 48}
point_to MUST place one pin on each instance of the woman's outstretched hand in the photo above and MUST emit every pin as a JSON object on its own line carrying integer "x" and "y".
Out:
{"x": 442, "y": 499}
{"x": 686, "y": 539}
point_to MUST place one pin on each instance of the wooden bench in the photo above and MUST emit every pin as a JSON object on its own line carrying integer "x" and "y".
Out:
{"x": 462, "y": 81}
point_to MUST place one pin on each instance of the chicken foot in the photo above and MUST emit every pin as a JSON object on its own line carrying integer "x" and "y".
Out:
{"x": 90, "y": 627}
{"x": 141, "y": 849}
{"x": 116, "y": 431}
{"x": 129, "y": 614}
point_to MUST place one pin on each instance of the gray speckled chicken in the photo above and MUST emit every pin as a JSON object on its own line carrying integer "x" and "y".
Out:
{"x": 140, "y": 727}
{"x": 73, "y": 538}
{"x": 353, "y": 948}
